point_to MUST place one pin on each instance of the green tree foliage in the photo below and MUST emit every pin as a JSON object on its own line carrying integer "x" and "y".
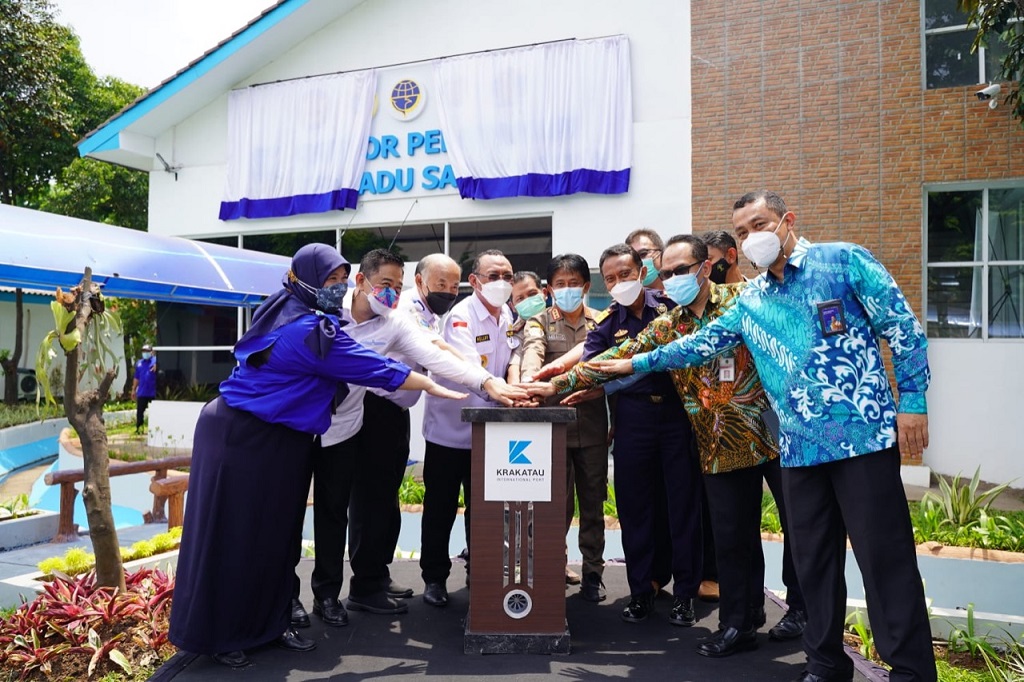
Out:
{"x": 36, "y": 124}
{"x": 1001, "y": 20}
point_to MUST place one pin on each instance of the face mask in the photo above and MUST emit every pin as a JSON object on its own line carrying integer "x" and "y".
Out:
{"x": 533, "y": 305}
{"x": 382, "y": 300}
{"x": 497, "y": 292}
{"x": 147, "y": 356}
{"x": 568, "y": 299}
{"x": 652, "y": 272}
{"x": 329, "y": 298}
{"x": 719, "y": 271}
{"x": 682, "y": 288}
{"x": 762, "y": 248}
{"x": 440, "y": 302}
{"x": 625, "y": 293}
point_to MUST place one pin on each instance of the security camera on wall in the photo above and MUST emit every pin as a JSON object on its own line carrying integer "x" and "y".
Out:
{"x": 989, "y": 92}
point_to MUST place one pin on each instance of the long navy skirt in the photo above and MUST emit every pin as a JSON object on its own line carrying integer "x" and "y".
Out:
{"x": 242, "y": 535}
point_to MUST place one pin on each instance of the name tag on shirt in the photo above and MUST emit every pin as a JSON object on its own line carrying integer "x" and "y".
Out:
{"x": 727, "y": 369}
{"x": 831, "y": 317}
{"x": 483, "y": 338}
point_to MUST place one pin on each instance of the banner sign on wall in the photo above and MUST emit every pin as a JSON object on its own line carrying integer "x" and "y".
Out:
{"x": 517, "y": 462}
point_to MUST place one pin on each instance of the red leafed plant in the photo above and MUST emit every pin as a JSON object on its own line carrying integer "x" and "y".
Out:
{"x": 76, "y": 630}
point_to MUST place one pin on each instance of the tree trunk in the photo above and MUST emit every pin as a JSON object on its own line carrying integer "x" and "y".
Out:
{"x": 10, "y": 365}
{"x": 85, "y": 413}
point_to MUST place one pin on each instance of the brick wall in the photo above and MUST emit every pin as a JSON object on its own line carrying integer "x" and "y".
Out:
{"x": 823, "y": 102}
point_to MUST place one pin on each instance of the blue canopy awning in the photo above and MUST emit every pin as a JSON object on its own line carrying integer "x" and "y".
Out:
{"x": 43, "y": 251}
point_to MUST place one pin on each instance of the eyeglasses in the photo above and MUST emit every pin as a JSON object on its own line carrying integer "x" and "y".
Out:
{"x": 644, "y": 253}
{"x": 495, "y": 276}
{"x": 681, "y": 270}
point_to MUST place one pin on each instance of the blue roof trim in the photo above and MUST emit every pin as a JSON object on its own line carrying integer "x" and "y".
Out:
{"x": 105, "y": 138}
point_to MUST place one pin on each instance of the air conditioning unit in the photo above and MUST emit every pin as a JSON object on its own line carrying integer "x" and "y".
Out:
{"x": 27, "y": 384}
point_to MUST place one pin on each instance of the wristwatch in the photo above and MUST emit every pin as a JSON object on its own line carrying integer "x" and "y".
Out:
{"x": 484, "y": 382}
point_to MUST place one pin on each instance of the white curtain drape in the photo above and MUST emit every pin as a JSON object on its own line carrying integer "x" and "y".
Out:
{"x": 298, "y": 146}
{"x": 543, "y": 120}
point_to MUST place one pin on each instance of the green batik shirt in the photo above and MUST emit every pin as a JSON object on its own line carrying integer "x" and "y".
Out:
{"x": 725, "y": 415}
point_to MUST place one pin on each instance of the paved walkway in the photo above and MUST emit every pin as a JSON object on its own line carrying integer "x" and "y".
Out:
{"x": 428, "y": 642}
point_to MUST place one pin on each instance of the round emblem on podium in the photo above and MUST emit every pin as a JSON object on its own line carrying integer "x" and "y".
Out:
{"x": 517, "y": 604}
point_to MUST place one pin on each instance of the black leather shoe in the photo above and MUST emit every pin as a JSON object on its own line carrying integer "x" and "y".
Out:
{"x": 396, "y": 591}
{"x": 376, "y": 603}
{"x": 811, "y": 677}
{"x": 435, "y": 594}
{"x": 728, "y": 642}
{"x": 683, "y": 613}
{"x": 591, "y": 588}
{"x": 331, "y": 611}
{"x": 639, "y": 608}
{"x": 233, "y": 659}
{"x": 758, "y": 617}
{"x": 293, "y": 641}
{"x": 300, "y": 619}
{"x": 790, "y": 627}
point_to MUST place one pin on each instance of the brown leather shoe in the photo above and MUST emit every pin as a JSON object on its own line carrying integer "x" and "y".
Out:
{"x": 708, "y": 591}
{"x": 571, "y": 577}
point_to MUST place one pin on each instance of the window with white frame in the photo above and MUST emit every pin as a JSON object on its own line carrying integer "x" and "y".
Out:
{"x": 975, "y": 269}
{"x": 948, "y": 60}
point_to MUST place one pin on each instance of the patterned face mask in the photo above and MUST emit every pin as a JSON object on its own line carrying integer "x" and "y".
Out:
{"x": 329, "y": 298}
{"x": 382, "y": 300}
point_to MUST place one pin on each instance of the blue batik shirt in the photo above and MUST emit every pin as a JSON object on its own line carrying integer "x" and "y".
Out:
{"x": 814, "y": 338}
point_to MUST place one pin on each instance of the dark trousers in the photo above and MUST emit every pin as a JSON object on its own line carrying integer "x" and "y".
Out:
{"x": 375, "y": 517}
{"x": 794, "y": 596}
{"x": 862, "y": 496}
{"x": 444, "y": 471}
{"x": 653, "y": 447}
{"x": 734, "y": 503}
{"x": 587, "y": 475}
{"x": 710, "y": 568}
{"x": 333, "y": 472}
{"x": 141, "y": 403}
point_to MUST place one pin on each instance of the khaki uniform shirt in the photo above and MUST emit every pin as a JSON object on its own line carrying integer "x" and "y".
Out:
{"x": 548, "y": 336}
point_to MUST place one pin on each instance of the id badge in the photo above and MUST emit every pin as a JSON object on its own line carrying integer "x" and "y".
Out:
{"x": 727, "y": 369}
{"x": 831, "y": 317}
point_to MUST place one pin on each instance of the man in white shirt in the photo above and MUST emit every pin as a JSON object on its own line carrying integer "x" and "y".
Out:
{"x": 345, "y": 473}
{"x": 479, "y": 329}
{"x": 375, "y": 526}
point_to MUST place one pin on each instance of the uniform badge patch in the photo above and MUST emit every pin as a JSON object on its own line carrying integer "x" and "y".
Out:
{"x": 483, "y": 338}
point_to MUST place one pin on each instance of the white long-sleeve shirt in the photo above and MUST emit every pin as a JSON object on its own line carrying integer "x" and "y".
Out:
{"x": 395, "y": 335}
{"x": 483, "y": 341}
{"x": 413, "y": 309}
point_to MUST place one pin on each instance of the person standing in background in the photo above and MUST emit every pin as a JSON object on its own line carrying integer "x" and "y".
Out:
{"x": 144, "y": 384}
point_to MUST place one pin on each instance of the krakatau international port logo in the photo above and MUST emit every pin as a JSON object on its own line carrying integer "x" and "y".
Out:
{"x": 516, "y": 454}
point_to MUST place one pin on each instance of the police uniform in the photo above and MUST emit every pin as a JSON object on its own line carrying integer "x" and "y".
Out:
{"x": 653, "y": 450}
{"x": 482, "y": 339}
{"x": 549, "y": 336}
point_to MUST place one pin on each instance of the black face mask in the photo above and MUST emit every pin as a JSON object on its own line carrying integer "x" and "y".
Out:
{"x": 719, "y": 270}
{"x": 440, "y": 302}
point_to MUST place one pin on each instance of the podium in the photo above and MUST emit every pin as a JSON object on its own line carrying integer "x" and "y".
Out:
{"x": 517, "y": 531}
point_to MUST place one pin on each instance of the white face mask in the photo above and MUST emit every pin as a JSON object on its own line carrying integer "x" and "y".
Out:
{"x": 497, "y": 292}
{"x": 625, "y": 293}
{"x": 763, "y": 248}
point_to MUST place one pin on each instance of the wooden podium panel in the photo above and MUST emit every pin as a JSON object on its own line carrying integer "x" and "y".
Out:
{"x": 517, "y": 546}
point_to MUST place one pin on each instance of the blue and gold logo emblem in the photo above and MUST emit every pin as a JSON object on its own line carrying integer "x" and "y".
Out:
{"x": 407, "y": 99}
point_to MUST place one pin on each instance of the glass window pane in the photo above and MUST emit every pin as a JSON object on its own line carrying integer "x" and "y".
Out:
{"x": 940, "y": 13}
{"x": 1004, "y": 316}
{"x": 954, "y": 302}
{"x": 287, "y": 244}
{"x": 948, "y": 60}
{"x": 526, "y": 242}
{"x": 1006, "y": 224}
{"x": 954, "y": 226}
{"x": 411, "y": 242}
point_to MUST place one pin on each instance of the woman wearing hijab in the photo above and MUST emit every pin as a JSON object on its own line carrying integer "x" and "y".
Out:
{"x": 251, "y": 462}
